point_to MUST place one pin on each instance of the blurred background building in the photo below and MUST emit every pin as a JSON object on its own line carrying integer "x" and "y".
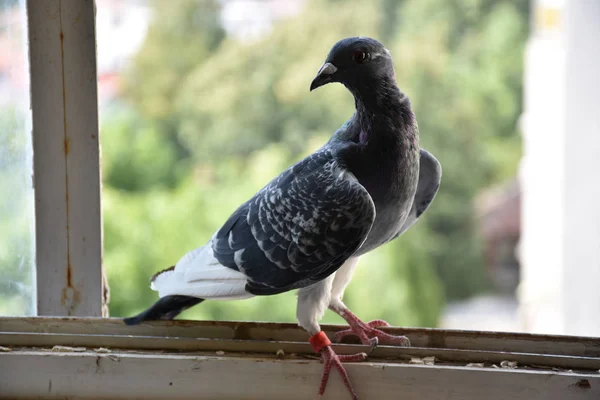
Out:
{"x": 203, "y": 101}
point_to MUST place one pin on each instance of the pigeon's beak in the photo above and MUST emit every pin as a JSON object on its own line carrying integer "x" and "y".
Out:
{"x": 324, "y": 76}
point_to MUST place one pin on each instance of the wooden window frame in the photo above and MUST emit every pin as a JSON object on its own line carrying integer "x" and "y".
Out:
{"x": 83, "y": 358}
{"x": 66, "y": 157}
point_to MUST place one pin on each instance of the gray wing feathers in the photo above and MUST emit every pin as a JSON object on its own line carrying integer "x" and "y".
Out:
{"x": 430, "y": 176}
{"x": 312, "y": 213}
{"x": 299, "y": 228}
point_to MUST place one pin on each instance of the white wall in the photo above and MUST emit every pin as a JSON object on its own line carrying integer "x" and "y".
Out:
{"x": 560, "y": 249}
{"x": 581, "y": 258}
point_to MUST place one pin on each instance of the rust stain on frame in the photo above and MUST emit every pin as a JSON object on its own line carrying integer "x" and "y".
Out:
{"x": 70, "y": 297}
{"x": 69, "y": 282}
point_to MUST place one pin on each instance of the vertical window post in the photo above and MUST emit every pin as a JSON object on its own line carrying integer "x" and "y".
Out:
{"x": 62, "y": 46}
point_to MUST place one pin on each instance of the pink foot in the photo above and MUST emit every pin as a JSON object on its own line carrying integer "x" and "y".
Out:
{"x": 322, "y": 345}
{"x": 330, "y": 359}
{"x": 368, "y": 333}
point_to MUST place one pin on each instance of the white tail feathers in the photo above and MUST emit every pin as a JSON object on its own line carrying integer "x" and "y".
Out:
{"x": 199, "y": 274}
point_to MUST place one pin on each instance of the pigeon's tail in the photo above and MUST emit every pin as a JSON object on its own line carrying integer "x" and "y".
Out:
{"x": 165, "y": 308}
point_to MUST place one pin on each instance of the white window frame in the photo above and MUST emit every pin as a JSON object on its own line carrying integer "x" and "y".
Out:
{"x": 103, "y": 358}
{"x": 42, "y": 357}
{"x": 66, "y": 154}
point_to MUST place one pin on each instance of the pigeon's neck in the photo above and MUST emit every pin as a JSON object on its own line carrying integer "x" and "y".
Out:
{"x": 384, "y": 116}
{"x": 386, "y": 160}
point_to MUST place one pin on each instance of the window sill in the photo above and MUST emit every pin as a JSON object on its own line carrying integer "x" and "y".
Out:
{"x": 85, "y": 358}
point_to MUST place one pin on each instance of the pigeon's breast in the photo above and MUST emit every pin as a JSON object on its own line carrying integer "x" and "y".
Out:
{"x": 393, "y": 195}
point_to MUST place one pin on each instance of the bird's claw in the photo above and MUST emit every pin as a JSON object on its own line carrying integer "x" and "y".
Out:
{"x": 331, "y": 359}
{"x": 370, "y": 335}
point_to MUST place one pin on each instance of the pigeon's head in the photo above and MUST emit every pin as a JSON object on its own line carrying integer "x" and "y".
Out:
{"x": 356, "y": 62}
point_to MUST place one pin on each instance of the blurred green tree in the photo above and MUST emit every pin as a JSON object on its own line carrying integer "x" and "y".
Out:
{"x": 180, "y": 37}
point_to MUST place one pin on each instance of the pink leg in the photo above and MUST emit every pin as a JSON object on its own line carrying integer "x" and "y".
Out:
{"x": 330, "y": 359}
{"x": 367, "y": 331}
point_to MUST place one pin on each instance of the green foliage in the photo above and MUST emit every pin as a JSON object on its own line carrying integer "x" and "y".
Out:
{"x": 214, "y": 119}
{"x": 180, "y": 37}
{"x": 137, "y": 156}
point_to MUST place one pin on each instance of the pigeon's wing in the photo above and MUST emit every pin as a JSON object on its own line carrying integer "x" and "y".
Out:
{"x": 298, "y": 229}
{"x": 430, "y": 176}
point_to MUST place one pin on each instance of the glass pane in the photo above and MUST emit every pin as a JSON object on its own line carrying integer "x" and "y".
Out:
{"x": 17, "y": 217}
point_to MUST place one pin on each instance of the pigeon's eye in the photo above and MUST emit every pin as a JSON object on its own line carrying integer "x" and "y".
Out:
{"x": 359, "y": 56}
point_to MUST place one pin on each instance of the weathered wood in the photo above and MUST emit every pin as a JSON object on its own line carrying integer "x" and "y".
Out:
{"x": 34, "y": 374}
{"x": 385, "y": 353}
{"x": 62, "y": 50}
{"x": 420, "y": 337}
{"x": 239, "y": 360}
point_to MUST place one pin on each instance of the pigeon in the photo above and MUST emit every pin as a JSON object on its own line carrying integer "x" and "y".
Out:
{"x": 307, "y": 228}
